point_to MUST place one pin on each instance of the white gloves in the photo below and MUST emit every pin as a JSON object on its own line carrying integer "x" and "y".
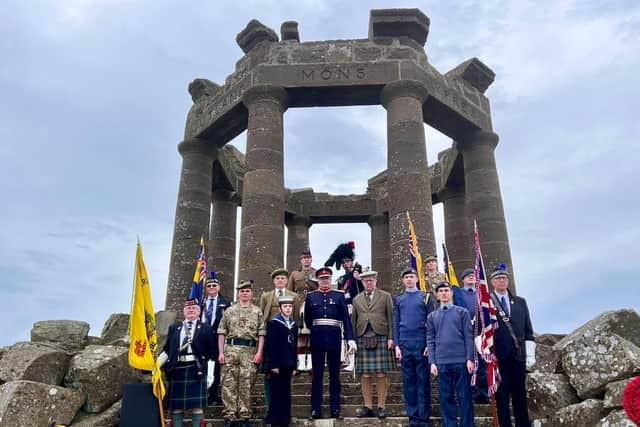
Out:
{"x": 352, "y": 346}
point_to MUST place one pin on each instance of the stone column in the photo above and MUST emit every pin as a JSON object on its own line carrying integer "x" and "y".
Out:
{"x": 408, "y": 181}
{"x": 458, "y": 230}
{"x": 484, "y": 201}
{"x": 380, "y": 257}
{"x": 297, "y": 239}
{"x": 221, "y": 250}
{"x": 262, "y": 232}
{"x": 193, "y": 211}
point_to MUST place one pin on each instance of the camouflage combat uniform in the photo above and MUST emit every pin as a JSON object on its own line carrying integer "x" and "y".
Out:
{"x": 241, "y": 326}
{"x": 433, "y": 279}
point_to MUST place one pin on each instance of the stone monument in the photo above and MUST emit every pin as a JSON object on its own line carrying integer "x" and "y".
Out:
{"x": 388, "y": 68}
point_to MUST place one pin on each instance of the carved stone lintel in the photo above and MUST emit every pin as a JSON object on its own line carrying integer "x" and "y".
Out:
{"x": 272, "y": 93}
{"x": 201, "y": 88}
{"x": 475, "y": 73}
{"x": 403, "y": 88}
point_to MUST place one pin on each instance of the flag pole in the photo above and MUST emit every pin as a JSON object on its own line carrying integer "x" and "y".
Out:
{"x": 158, "y": 394}
{"x": 494, "y": 411}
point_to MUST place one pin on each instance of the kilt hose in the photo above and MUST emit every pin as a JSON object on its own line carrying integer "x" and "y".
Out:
{"x": 187, "y": 389}
{"x": 379, "y": 359}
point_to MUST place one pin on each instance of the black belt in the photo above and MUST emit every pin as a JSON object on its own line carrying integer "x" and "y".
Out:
{"x": 241, "y": 341}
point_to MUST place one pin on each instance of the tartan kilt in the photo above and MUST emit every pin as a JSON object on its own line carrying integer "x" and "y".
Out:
{"x": 379, "y": 359}
{"x": 187, "y": 389}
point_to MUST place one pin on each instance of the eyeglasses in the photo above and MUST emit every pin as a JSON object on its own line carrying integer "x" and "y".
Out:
{"x": 212, "y": 285}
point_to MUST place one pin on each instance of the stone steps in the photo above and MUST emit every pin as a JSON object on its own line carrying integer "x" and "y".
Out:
{"x": 303, "y": 410}
{"x": 352, "y": 422}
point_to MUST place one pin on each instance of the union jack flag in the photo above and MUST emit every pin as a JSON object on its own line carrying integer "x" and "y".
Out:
{"x": 197, "y": 287}
{"x": 415, "y": 259}
{"x": 488, "y": 321}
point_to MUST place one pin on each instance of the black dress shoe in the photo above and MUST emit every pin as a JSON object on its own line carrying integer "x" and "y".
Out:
{"x": 382, "y": 413}
{"x": 335, "y": 414}
{"x": 365, "y": 412}
{"x": 315, "y": 415}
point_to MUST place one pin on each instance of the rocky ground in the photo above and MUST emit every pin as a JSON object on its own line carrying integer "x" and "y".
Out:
{"x": 63, "y": 374}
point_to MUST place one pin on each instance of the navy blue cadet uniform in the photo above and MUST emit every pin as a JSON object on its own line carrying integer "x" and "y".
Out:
{"x": 326, "y": 314}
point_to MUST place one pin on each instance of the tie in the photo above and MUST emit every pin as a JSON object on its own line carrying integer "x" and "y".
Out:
{"x": 368, "y": 296}
{"x": 505, "y": 305}
{"x": 210, "y": 310}
{"x": 279, "y": 293}
{"x": 187, "y": 336}
{"x": 470, "y": 289}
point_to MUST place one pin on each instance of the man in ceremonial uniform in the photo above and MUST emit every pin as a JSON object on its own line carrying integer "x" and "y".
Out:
{"x": 469, "y": 300}
{"x": 303, "y": 281}
{"x": 270, "y": 308}
{"x": 327, "y": 316}
{"x": 212, "y": 309}
{"x": 432, "y": 274}
{"x": 450, "y": 343}
{"x": 240, "y": 341}
{"x": 514, "y": 329}
{"x": 372, "y": 321}
{"x": 280, "y": 360}
{"x": 188, "y": 347}
{"x": 410, "y": 311}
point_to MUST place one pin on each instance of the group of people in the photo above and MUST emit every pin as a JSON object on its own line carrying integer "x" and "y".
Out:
{"x": 305, "y": 323}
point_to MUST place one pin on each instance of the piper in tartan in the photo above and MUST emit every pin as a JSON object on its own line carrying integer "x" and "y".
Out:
{"x": 189, "y": 345}
{"x": 372, "y": 321}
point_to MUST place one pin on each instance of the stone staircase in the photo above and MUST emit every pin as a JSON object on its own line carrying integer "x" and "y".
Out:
{"x": 350, "y": 403}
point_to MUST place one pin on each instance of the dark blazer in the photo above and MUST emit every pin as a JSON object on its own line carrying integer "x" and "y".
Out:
{"x": 521, "y": 324}
{"x": 201, "y": 344}
{"x": 280, "y": 346}
{"x": 379, "y": 314}
{"x": 221, "y": 305}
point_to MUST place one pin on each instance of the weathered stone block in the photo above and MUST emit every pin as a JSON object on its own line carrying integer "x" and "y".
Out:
{"x": 164, "y": 319}
{"x": 548, "y": 393}
{"x": 108, "y": 418}
{"x": 410, "y": 23}
{"x": 616, "y": 419}
{"x": 586, "y": 413}
{"x": 29, "y": 403}
{"x": 549, "y": 339}
{"x": 200, "y": 88}
{"x": 474, "y": 73}
{"x": 116, "y": 328}
{"x": 289, "y": 31}
{"x": 614, "y": 393}
{"x": 254, "y": 33}
{"x": 100, "y": 372}
{"x": 625, "y": 323}
{"x": 547, "y": 359}
{"x": 68, "y": 334}
{"x": 591, "y": 362}
{"x": 37, "y": 362}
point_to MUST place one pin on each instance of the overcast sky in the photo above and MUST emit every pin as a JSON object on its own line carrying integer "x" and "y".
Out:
{"x": 93, "y": 101}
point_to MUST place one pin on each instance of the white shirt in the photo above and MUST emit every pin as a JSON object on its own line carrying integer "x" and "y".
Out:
{"x": 183, "y": 333}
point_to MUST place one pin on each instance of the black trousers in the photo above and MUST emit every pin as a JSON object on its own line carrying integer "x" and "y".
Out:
{"x": 279, "y": 412}
{"x": 317, "y": 370}
{"x": 513, "y": 386}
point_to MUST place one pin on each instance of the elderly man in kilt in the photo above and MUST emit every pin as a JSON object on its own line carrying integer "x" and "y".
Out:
{"x": 240, "y": 341}
{"x": 189, "y": 345}
{"x": 372, "y": 320}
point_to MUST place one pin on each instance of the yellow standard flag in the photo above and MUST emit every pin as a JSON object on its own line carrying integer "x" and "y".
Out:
{"x": 448, "y": 267}
{"x": 142, "y": 326}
